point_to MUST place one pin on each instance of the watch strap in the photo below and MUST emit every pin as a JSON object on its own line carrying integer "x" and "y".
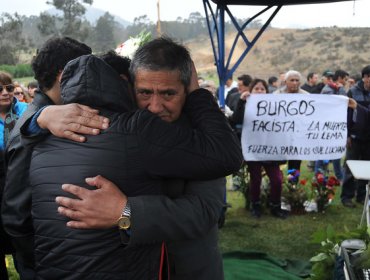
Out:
{"x": 127, "y": 210}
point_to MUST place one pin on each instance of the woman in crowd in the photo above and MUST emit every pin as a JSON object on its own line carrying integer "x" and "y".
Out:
{"x": 272, "y": 169}
{"x": 10, "y": 110}
{"x": 20, "y": 93}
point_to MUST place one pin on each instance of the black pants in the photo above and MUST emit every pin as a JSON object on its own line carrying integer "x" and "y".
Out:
{"x": 359, "y": 150}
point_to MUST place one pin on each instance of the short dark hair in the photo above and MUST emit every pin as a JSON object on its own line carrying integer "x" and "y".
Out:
{"x": 32, "y": 84}
{"x": 365, "y": 71}
{"x": 118, "y": 63}
{"x": 163, "y": 54}
{"x": 340, "y": 74}
{"x": 310, "y": 75}
{"x": 53, "y": 56}
{"x": 272, "y": 80}
{"x": 5, "y": 78}
{"x": 246, "y": 79}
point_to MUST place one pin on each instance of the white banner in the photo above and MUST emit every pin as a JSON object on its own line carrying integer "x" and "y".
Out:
{"x": 294, "y": 126}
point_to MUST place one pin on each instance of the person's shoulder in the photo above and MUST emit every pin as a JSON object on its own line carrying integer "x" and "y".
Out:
{"x": 20, "y": 107}
{"x": 133, "y": 122}
{"x": 303, "y": 91}
{"x": 306, "y": 87}
{"x": 326, "y": 90}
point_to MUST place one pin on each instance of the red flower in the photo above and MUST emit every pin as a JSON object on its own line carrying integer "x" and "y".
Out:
{"x": 333, "y": 181}
{"x": 320, "y": 178}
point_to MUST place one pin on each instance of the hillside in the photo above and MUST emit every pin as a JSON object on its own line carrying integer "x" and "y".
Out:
{"x": 304, "y": 50}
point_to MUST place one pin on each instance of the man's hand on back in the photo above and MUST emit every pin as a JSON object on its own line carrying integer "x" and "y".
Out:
{"x": 69, "y": 121}
{"x": 92, "y": 209}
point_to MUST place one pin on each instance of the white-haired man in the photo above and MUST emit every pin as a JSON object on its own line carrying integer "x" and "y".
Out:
{"x": 292, "y": 83}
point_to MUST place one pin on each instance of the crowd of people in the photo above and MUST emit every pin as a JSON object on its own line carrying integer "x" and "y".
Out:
{"x": 115, "y": 168}
{"x": 338, "y": 82}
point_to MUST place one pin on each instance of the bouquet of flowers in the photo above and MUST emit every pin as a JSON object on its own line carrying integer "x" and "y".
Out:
{"x": 323, "y": 189}
{"x": 294, "y": 191}
{"x": 129, "y": 47}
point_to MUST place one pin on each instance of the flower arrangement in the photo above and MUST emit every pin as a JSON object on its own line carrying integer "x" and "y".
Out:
{"x": 294, "y": 191}
{"x": 129, "y": 47}
{"x": 323, "y": 188}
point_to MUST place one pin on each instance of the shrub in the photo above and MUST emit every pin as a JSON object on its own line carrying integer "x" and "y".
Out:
{"x": 18, "y": 71}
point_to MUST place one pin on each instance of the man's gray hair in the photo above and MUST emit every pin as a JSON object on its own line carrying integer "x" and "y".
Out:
{"x": 293, "y": 73}
{"x": 163, "y": 54}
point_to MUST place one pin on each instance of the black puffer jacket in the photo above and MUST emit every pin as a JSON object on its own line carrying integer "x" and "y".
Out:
{"x": 16, "y": 205}
{"x": 134, "y": 152}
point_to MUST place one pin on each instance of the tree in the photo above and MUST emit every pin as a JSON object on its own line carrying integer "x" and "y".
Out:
{"x": 103, "y": 37}
{"x": 70, "y": 24}
{"x": 197, "y": 18}
{"x": 141, "y": 23}
{"x": 11, "y": 43}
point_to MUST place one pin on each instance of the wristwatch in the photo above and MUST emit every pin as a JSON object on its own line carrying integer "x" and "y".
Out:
{"x": 124, "y": 222}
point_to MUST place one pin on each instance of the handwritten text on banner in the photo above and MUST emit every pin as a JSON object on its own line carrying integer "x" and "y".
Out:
{"x": 294, "y": 126}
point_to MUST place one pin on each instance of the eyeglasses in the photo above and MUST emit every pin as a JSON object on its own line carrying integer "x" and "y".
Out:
{"x": 18, "y": 92}
{"x": 9, "y": 88}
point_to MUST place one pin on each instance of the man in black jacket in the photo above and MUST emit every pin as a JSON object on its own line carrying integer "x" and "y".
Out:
{"x": 186, "y": 218}
{"x": 358, "y": 142}
{"x": 16, "y": 212}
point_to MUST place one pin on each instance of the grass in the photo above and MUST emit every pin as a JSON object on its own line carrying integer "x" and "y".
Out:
{"x": 288, "y": 238}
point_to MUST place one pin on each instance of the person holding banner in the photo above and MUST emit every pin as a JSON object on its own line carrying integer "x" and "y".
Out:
{"x": 272, "y": 169}
{"x": 292, "y": 85}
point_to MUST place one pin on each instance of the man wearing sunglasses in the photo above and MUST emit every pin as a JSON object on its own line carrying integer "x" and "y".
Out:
{"x": 10, "y": 110}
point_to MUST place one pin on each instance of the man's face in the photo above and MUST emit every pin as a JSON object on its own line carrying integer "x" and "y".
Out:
{"x": 366, "y": 80}
{"x": 314, "y": 79}
{"x": 343, "y": 80}
{"x": 292, "y": 84}
{"x": 229, "y": 82}
{"x": 161, "y": 92}
{"x": 31, "y": 92}
{"x": 241, "y": 87}
{"x": 327, "y": 79}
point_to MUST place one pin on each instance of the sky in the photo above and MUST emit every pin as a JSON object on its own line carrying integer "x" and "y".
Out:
{"x": 341, "y": 14}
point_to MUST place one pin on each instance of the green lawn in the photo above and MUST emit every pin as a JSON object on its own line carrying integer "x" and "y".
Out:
{"x": 288, "y": 238}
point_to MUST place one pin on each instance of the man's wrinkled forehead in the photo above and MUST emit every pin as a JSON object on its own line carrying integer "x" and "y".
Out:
{"x": 160, "y": 76}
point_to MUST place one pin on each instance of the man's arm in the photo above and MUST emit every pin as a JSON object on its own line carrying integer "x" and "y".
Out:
{"x": 189, "y": 216}
{"x": 65, "y": 121}
{"x": 201, "y": 147}
{"x": 154, "y": 218}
